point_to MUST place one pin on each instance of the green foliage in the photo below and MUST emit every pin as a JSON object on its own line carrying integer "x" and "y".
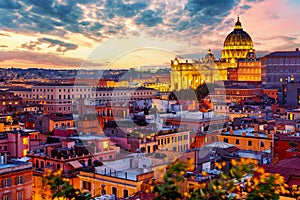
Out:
{"x": 169, "y": 188}
{"x": 190, "y": 94}
{"x": 293, "y": 144}
{"x": 61, "y": 188}
{"x": 230, "y": 185}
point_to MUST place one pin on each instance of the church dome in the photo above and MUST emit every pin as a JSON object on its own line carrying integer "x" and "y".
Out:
{"x": 209, "y": 56}
{"x": 237, "y": 43}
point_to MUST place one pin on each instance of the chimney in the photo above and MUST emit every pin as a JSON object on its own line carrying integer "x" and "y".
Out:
{"x": 256, "y": 128}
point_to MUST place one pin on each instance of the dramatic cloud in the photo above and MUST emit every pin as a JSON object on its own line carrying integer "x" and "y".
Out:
{"x": 245, "y": 7}
{"x": 73, "y": 28}
{"x": 9, "y": 5}
{"x": 204, "y": 12}
{"x": 31, "y": 45}
{"x": 149, "y": 18}
{"x": 60, "y": 45}
{"x": 43, "y": 58}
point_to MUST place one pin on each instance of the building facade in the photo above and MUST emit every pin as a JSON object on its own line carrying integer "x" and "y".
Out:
{"x": 16, "y": 180}
{"x": 238, "y": 63}
{"x": 281, "y": 67}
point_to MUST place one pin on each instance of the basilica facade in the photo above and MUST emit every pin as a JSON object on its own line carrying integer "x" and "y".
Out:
{"x": 238, "y": 63}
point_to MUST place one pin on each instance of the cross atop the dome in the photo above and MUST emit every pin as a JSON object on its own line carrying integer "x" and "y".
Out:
{"x": 238, "y": 24}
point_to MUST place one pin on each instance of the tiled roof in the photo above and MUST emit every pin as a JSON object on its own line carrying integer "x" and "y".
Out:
{"x": 56, "y": 118}
{"x": 289, "y": 168}
{"x": 284, "y": 53}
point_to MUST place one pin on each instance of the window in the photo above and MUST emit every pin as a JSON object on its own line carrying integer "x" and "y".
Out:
{"x": 225, "y": 140}
{"x": 7, "y": 197}
{"x": 125, "y": 193}
{"x": 212, "y": 138}
{"x": 185, "y": 137}
{"x": 249, "y": 143}
{"x": 25, "y": 141}
{"x": 179, "y": 138}
{"x": 6, "y": 182}
{"x": 20, "y": 180}
{"x": 20, "y": 196}
{"x": 237, "y": 141}
{"x": 114, "y": 191}
{"x": 86, "y": 185}
{"x": 262, "y": 144}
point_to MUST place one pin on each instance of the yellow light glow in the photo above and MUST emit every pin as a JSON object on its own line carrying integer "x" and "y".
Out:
{"x": 25, "y": 141}
{"x": 25, "y": 152}
{"x": 105, "y": 145}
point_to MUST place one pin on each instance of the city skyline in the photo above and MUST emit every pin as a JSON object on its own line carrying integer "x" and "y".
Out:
{"x": 116, "y": 34}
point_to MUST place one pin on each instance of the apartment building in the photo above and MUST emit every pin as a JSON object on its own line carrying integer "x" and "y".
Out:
{"x": 63, "y": 98}
{"x": 248, "y": 139}
{"x": 15, "y": 179}
{"x": 173, "y": 139}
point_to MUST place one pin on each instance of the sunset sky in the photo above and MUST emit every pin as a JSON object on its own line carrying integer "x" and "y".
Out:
{"x": 129, "y": 33}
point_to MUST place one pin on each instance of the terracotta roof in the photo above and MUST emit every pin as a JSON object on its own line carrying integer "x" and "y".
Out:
{"x": 56, "y": 118}
{"x": 287, "y": 137}
{"x": 289, "y": 168}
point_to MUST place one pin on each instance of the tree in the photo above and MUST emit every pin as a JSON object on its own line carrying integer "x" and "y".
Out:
{"x": 168, "y": 188}
{"x": 55, "y": 187}
{"x": 230, "y": 185}
{"x": 293, "y": 144}
{"x": 172, "y": 96}
{"x": 201, "y": 92}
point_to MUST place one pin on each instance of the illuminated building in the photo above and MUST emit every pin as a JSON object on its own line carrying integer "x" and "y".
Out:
{"x": 63, "y": 98}
{"x": 172, "y": 140}
{"x": 236, "y": 93}
{"x": 16, "y": 179}
{"x": 237, "y": 44}
{"x": 123, "y": 177}
{"x": 281, "y": 67}
{"x": 249, "y": 69}
{"x": 238, "y": 63}
{"x": 248, "y": 139}
{"x": 14, "y": 142}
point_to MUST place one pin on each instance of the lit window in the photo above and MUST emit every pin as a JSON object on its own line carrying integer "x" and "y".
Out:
{"x": 25, "y": 140}
{"x": 105, "y": 145}
{"x": 25, "y": 152}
